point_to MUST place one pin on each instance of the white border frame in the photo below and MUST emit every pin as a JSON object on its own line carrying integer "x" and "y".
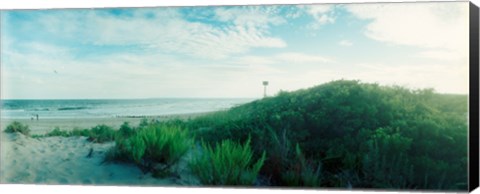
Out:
{"x": 49, "y": 4}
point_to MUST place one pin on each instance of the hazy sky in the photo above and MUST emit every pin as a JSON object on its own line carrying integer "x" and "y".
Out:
{"x": 229, "y": 51}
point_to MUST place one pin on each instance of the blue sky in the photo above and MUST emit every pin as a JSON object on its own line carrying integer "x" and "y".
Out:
{"x": 228, "y": 51}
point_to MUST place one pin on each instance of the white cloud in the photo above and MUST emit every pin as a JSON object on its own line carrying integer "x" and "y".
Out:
{"x": 431, "y": 26}
{"x": 258, "y": 60}
{"x": 302, "y": 58}
{"x": 166, "y": 31}
{"x": 322, "y": 14}
{"x": 286, "y": 58}
{"x": 251, "y": 16}
{"x": 345, "y": 43}
{"x": 438, "y": 32}
{"x": 132, "y": 75}
{"x": 447, "y": 55}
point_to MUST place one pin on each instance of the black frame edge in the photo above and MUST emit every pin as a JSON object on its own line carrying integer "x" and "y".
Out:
{"x": 473, "y": 158}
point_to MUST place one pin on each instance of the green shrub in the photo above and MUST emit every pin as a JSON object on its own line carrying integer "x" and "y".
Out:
{"x": 16, "y": 126}
{"x": 154, "y": 148}
{"x": 57, "y": 132}
{"x": 80, "y": 132}
{"x": 386, "y": 164}
{"x": 302, "y": 172}
{"x": 228, "y": 163}
{"x": 126, "y": 130}
{"x": 332, "y": 123}
{"x": 143, "y": 123}
{"x": 101, "y": 134}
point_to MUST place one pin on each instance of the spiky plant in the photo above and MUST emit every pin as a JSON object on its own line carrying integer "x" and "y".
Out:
{"x": 228, "y": 163}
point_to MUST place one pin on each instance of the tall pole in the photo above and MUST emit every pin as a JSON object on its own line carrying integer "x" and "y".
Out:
{"x": 265, "y": 84}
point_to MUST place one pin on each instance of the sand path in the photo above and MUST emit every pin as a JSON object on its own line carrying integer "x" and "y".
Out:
{"x": 60, "y": 160}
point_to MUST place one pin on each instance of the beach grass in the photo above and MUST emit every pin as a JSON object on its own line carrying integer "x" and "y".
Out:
{"x": 154, "y": 147}
{"x": 17, "y": 127}
{"x": 97, "y": 134}
{"x": 228, "y": 163}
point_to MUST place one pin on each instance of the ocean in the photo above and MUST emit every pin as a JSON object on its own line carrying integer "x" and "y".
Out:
{"x": 25, "y": 109}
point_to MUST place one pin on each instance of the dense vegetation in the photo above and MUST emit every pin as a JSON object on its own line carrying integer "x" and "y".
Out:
{"x": 339, "y": 134}
{"x": 351, "y": 134}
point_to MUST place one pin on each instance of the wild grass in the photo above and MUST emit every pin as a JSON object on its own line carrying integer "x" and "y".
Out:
{"x": 227, "y": 163}
{"x": 97, "y": 134}
{"x": 154, "y": 148}
{"x": 101, "y": 134}
{"x": 126, "y": 130}
{"x": 302, "y": 172}
{"x": 57, "y": 132}
{"x": 16, "y": 126}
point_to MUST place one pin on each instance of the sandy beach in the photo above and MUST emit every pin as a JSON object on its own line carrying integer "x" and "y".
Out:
{"x": 61, "y": 160}
{"x": 44, "y": 125}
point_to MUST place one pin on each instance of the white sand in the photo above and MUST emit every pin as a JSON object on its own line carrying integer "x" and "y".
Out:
{"x": 60, "y": 160}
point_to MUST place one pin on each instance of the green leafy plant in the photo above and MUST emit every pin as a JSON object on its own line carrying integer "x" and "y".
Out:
{"x": 16, "y": 126}
{"x": 79, "y": 132}
{"x": 154, "y": 148}
{"x": 385, "y": 164}
{"x": 101, "y": 134}
{"x": 126, "y": 130}
{"x": 302, "y": 172}
{"x": 228, "y": 163}
{"x": 58, "y": 132}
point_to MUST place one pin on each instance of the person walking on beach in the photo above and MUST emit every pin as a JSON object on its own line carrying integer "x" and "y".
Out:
{"x": 37, "y": 116}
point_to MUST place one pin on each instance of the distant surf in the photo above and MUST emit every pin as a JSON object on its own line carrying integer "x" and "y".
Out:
{"x": 114, "y": 108}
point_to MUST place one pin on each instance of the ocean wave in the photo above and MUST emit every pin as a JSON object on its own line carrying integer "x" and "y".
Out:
{"x": 40, "y": 109}
{"x": 72, "y": 108}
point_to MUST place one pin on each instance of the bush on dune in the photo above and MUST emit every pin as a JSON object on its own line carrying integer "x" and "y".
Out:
{"x": 79, "y": 132}
{"x": 18, "y": 127}
{"x": 97, "y": 134}
{"x": 302, "y": 172}
{"x": 125, "y": 130}
{"x": 228, "y": 163}
{"x": 334, "y": 122}
{"x": 101, "y": 134}
{"x": 58, "y": 132}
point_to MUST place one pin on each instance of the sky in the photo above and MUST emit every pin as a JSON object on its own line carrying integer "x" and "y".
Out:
{"x": 227, "y": 51}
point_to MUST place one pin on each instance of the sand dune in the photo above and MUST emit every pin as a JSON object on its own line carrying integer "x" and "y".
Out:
{"x": 60, "y": 160}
